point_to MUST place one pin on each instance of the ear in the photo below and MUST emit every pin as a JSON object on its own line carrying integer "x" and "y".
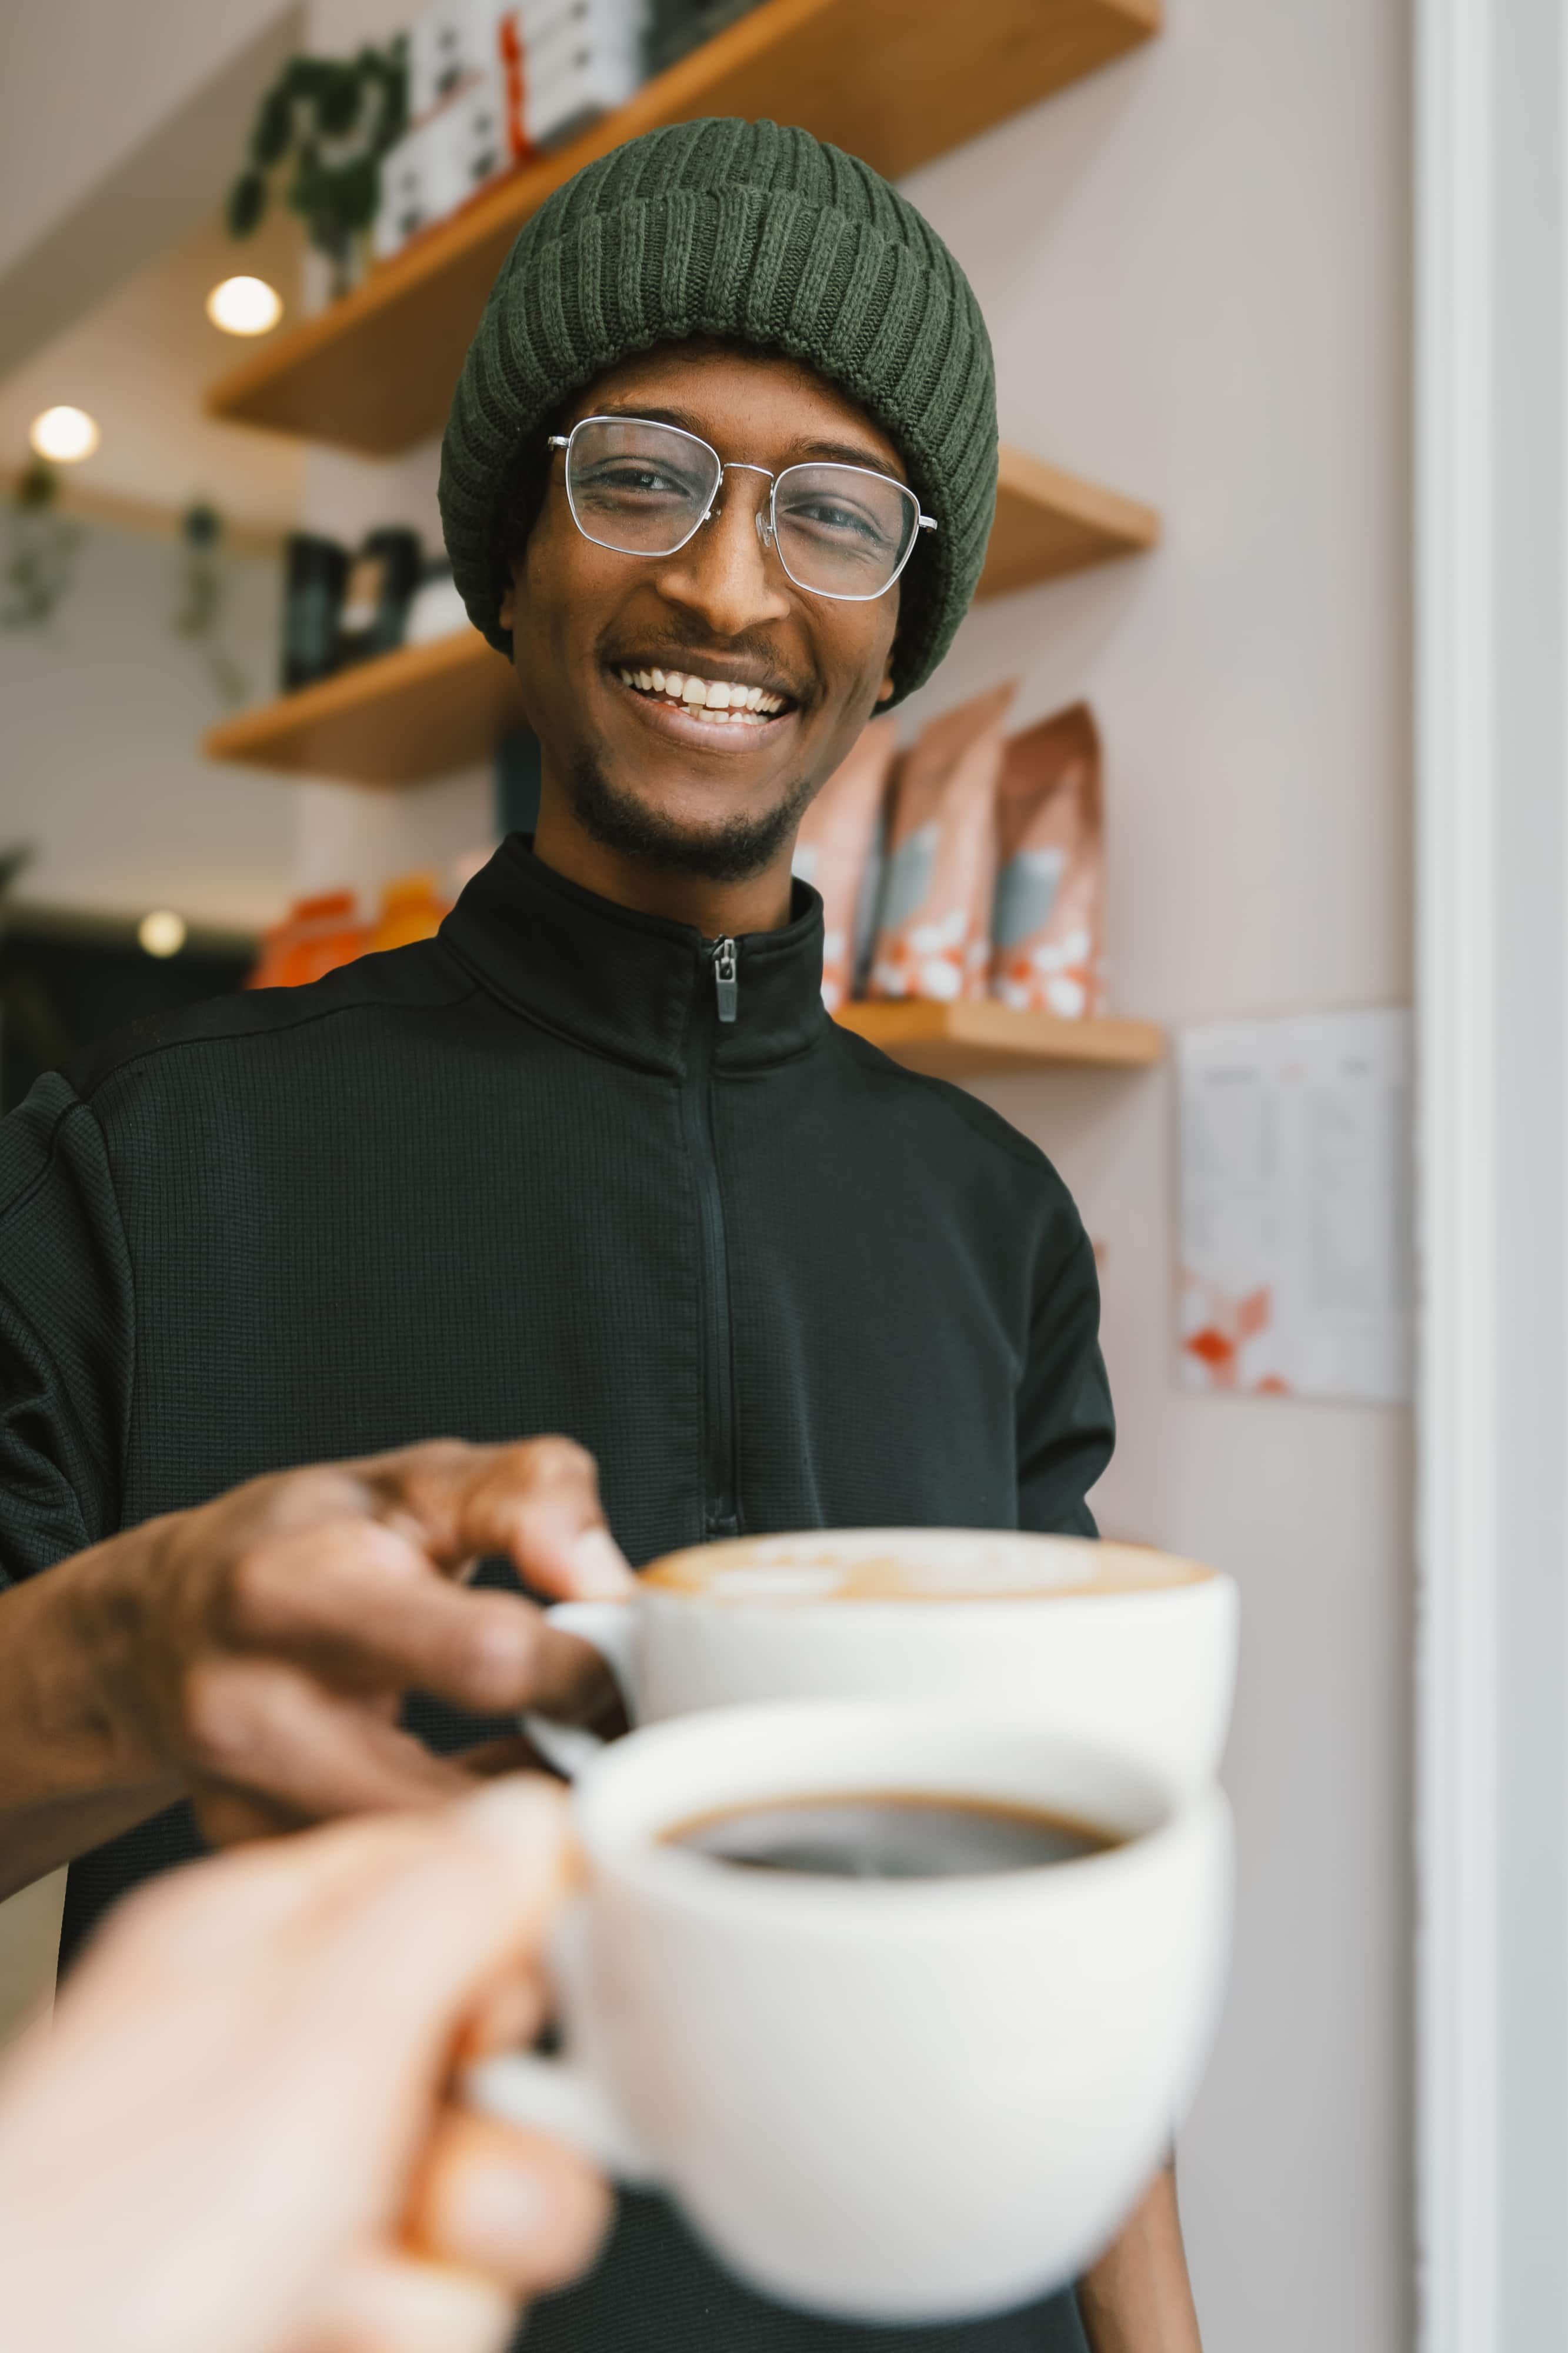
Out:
{"x": 507, "y": 612}
{"x": 886, "y": 688}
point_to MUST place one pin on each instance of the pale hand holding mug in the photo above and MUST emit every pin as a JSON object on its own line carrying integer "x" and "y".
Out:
{"x": 913, "y": 2101}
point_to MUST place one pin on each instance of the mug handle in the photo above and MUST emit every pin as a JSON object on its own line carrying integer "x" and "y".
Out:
{"x": 562, "y": 2097}
{"x": 611, "y": 1627}
{"x": 557, "y": 2097}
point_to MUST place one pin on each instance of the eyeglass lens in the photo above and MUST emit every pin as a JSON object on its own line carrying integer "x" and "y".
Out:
{"x": 644, "y": 489}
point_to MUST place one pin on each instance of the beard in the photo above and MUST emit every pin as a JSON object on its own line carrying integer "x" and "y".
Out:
{"x": 732, "y": 851}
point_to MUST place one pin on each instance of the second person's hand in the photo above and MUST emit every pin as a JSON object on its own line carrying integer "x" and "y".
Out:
{"x": 255, "y": 1651}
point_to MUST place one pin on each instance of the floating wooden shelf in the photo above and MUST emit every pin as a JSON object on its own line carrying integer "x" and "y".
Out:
{"x": 425, "y": 710}
{"x": 895, "y": 81}
{"x": 399, "y": 720}
{"x": 966, "y": 1041}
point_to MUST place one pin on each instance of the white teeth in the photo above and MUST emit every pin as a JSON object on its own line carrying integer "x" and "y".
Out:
{"x": 721, "y": 702}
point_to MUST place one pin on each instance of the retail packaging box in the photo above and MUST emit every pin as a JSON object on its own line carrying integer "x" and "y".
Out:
{"x": 449, "y": 43}
{"x": 586, "y": 83}
{"x": 442, "y": 161}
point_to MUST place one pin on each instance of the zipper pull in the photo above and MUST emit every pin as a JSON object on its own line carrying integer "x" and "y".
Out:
{"x": 726, "y": 978}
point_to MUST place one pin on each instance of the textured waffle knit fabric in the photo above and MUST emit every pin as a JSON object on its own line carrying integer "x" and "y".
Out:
{"x": 514, "y": 1179}
{"x": 761, "y": 235}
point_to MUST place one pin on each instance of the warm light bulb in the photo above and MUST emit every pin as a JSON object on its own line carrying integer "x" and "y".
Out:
{"x": 64, "y": 435}
{"x": 161, "y": 933}
{"x": 245, "y": 306}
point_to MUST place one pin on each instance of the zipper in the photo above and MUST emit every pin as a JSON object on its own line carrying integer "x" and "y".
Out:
{"x": 726, "y": 978}
{"x": 721, "y": 1515}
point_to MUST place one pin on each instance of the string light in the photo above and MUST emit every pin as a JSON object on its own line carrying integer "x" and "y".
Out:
{"x": 64, "y": 436}
{"x": 245, "y": 306}
{"x": 163, "y": 933}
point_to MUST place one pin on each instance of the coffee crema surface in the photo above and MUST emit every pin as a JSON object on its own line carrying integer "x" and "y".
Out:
{"x": 929, "y": 1565}
{"x": 889, "y": 1835}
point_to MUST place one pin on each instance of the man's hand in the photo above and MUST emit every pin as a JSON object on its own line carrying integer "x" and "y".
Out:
{"x": 238, "y": 2133}
{"x": 253, "y": 1654}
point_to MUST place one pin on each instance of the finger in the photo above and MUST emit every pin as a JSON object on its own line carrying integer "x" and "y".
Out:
{"x": 261, "y": 1725}
{"x": 358, "y": 1602}
{"x": 227, "y": 1817}
{"x": 384, "y": 2302}
{"x": 515, "y": 2206}
{"x": 537, "y": 1502}
{"x": 505, "y": 2016}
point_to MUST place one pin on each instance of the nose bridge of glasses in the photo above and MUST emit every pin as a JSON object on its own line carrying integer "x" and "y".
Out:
{"x": 762, "y": 515}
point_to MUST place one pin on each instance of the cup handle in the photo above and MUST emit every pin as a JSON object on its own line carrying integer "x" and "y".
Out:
{"x": 611, "y": 1627}
{"x": 556, "y": 2097}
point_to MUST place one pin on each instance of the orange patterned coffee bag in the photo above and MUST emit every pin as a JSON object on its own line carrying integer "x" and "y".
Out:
{"x": 934, "y": 936}
{"x": 834, "y": 851}
{"x": 1048, "y": 923}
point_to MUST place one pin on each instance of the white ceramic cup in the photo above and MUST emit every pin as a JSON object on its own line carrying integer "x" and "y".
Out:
{"x": 1114, "y": 1643}
{"x": 906, "y": 2101}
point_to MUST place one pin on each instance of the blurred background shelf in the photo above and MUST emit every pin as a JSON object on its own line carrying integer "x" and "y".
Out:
{"x": 884, "y": 79}
{"x": 399, "y": 720}
{"x": 428, "y": 709}
{"x": 965, "y": 1042}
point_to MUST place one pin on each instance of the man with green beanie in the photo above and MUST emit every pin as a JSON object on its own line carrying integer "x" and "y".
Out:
{"x": 719, "y": 477}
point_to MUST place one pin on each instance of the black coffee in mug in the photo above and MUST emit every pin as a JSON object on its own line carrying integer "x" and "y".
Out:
{"x": 878, "y": 1835}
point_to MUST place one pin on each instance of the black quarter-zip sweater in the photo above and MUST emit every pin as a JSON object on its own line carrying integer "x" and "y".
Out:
{"x": 524, "y": 1177}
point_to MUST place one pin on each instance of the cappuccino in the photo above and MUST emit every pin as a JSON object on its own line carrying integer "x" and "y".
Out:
{"x": 916, "y": 1565}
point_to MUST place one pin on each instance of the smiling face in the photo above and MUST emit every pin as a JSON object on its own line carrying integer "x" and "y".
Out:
{"x": 690, "y": 706}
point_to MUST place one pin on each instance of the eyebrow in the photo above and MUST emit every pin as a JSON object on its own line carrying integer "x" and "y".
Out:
{"x": 838, "y": 453}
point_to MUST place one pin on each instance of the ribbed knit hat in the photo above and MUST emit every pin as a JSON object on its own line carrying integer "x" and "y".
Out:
{"x": 761, "y": 235}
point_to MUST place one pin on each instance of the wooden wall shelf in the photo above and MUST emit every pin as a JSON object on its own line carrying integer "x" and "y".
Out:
{"x": 425, "y": 710}
{"x": 968, "y": 1041}
{"x": 895, "y": 81}
{"x": 399, "y": 720}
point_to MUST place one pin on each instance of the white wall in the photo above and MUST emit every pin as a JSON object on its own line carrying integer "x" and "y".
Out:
{"x": 1195, "y": 270}
{"x": 119, "y": 127}
{"x": 101, "y": 719}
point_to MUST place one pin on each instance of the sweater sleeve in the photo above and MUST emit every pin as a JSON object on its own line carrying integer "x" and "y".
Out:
{"x": 1066, "y": 1430}
{"x": 67, "y": 1333}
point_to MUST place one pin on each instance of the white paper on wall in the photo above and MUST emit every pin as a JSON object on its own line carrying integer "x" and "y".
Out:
{"x": 1297, "y": 1258}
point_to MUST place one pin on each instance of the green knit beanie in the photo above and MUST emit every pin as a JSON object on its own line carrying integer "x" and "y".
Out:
{"x": 761, "y": 235}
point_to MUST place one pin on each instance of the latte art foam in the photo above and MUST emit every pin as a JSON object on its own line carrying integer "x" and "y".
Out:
{"x": 915, "y": 1564}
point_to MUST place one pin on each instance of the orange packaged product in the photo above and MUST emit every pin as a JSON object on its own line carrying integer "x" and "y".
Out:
{"x": 411, "y": 909}
{"x": 1048, "y": 925}
{"x": 934, "y": 936}
{"x": 315, "y": 936}
{"x": 834, "y": 848}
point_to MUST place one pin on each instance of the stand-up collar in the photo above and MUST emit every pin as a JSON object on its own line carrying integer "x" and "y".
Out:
{"x": 630, "y": 985}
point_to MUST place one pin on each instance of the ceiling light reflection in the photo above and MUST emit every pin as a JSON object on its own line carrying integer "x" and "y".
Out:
{"x": 245, "y": 306}
{"x": 64, "y": 435}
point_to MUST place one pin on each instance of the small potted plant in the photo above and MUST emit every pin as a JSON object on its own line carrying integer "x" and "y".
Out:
{"x": 332, "y": 120}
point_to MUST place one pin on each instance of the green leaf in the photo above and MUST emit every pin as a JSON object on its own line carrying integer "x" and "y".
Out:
{"x": 358, "y": 185}
{"x": 339, "y": 103}
{"x": 274, "y": 127}
{"x": 247, "y": 203}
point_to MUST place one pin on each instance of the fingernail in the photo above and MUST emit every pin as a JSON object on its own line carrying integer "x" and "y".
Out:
{"x": 600, "y": 1570}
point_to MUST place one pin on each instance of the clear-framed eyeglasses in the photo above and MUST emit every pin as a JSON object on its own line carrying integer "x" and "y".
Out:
{"x": 645, "y": 488}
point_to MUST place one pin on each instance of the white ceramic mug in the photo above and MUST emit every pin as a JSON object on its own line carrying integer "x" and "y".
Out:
{"x": 1112, "y": 1643}
{"x": 906, "y": 2101}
